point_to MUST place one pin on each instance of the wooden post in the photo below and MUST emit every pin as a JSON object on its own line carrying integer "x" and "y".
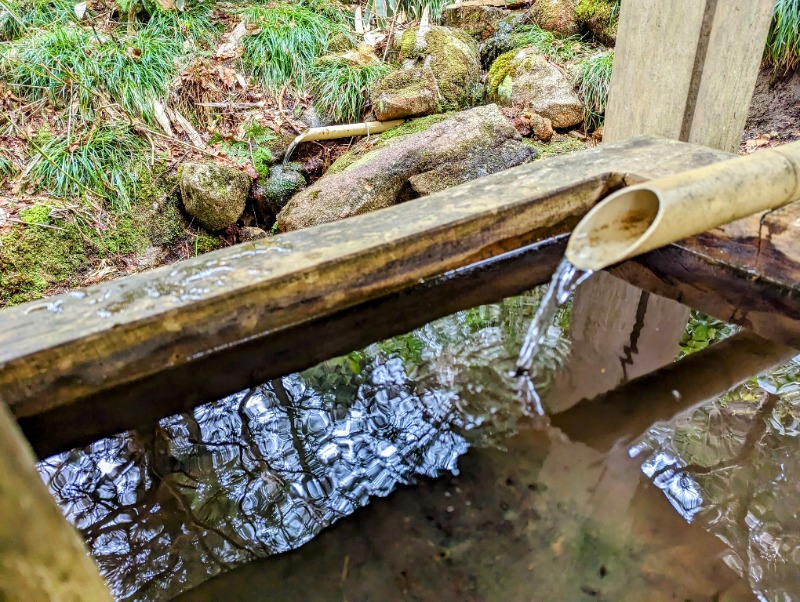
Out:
{"x": 683, "y": 69}
{"x": 41, "y": 556}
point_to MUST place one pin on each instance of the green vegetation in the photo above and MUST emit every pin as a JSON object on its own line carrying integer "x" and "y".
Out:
{"x": 102, "y": 161}
{"x": 340, "y": 87}
{"x": 556, "y": 48}
{"x": 593, "y": 78}
{"x": 413, "y": 126}
{"x": 560, "y": 145}
{"x": 383, "y": 10}
{"x": 783, "y": 43}
{"x": 67, "y": 63}
{"x": 290, "y": 39}
{"x": 702, "y": 331}
{"x": 601, "y": 17}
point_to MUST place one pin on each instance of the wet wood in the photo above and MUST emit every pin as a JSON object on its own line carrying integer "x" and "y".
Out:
{"x": 42, "y": 557}
{"x": 712, "y": 50}
{"x": 87, "y": 364}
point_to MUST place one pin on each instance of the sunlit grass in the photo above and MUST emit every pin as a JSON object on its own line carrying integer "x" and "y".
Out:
{"x": 19, "y": 17}
{"x": 783, "y": 43}
{"x": 68, "y": 63}
{"x": 102, "y": 161}
{"x": 341, "y": 87}
{"x": 290, "y": 38}
{"x": 593, "y": 78}
{"x": 196, "y": 24}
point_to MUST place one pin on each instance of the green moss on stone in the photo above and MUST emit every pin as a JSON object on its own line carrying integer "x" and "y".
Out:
{"x": 413, "y": 126}
{"x": 601, "y": 17}
{"x": 503, "y": 67}
{"x": 38, "y": 214}
{"x": 453, "y": 59}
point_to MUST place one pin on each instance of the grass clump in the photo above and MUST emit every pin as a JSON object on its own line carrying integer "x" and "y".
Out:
{"x": 18, "y": 17}
{"x": 67, "y": 63}
{"x": 104, "y": 162}
{"x": 384, "y": 10}
{"x": 195, "y": 24}
{"x": 340, "y": 87}
{"x": 593, "y": 78}
{"x": 783, "y": 43}
{"x": 290, "y": 38}
{"x": 558, "y": 49}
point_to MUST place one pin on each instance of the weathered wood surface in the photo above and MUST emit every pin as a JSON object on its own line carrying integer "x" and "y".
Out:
{"x": 42, "y": 557}
{"x": 711, "y": 50}
{"x": 93, "y": 362}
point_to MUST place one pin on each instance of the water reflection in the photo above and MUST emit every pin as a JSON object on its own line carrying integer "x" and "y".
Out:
{"x": 263, "y": 471}
{"x": 733, "y": 466}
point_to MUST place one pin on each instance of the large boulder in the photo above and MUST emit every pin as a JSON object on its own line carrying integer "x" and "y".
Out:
{"x": 214, "y": 195}
{"x": 452, "y": 57}
{"x": 405, "y": 164}
{"x": 524, "y": 78}
{"x": 406, "y": 93}
{"x": 558, "y": 16}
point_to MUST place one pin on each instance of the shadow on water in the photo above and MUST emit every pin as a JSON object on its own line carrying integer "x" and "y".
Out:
{"x": 504, "y": 507}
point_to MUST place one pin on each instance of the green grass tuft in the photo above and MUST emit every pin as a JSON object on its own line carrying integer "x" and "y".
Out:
{"x": 68, "y": 63}
{"x": 104, "y": 162}
{"x": 783, "y": 43}
{"x": 340, "y": 87}
{"x": 19, "y": 17}
{"x": 593, "y": 78}
{"x": 558, "y": 49}
{"x": 196, "y": 25}
{"x": 383, "y": 10}
{"x": 290, "y": 38}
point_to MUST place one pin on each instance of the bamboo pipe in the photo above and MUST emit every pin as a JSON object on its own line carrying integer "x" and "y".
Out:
{"x": 331, "y": 132}
{"x": 647, "y": 216}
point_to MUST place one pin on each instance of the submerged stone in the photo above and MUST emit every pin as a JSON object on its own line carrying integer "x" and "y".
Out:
{"x": 381, "y": 172}
{"x": 214, "y": 195}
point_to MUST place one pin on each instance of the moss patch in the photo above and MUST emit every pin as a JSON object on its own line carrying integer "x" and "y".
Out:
{"x": 453, "y": 59}
{"x": 504, "y": 67}
{"x": 561, "y": 145}
{"x": 601, "y": 17}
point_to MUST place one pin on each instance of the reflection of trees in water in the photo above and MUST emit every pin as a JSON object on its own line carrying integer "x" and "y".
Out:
{"x": 733, "y": 466}
{"x": 264, "y": 470}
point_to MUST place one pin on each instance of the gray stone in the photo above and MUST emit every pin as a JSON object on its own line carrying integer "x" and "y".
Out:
{"x": 406, "y": 93}
{"x": 251, "y": 233}
{"x": 558, "y": 16}
{"x": 214, "y": 195}
{"x": 451, "y": 55}
{"x": 379, "y": 173}
{"x": 528, "y": 80}
{"x": 283, "y": 182}
{"x": 481, "y": 22}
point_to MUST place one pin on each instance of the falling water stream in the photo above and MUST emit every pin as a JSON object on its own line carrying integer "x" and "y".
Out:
{"x": 565, "y": 280}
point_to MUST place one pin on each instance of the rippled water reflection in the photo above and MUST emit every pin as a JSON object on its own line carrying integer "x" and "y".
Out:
{"x": 733, "y": 466}
{"x": 263, "y": 471}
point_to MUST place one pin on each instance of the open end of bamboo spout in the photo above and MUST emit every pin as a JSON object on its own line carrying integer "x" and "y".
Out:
{"x": 614, "y": 229}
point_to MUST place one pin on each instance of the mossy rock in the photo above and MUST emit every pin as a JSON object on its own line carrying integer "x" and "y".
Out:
{"x": 601, "y": 18}
{"x": 406, "y": 93}
{"x": 452, "y": 56}
{"x": 283, "y": 182}
{"x": 480, "y": 22}
{"x": 214, "y": 195}
{"x": 524, "y": 78}
{"x": 558, "y": 16}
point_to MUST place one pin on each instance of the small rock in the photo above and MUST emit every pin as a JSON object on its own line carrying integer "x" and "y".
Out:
{"x": 524, "y": 78}
{"x": 481, "y": 22}
{"x": 558, "y": 16}
{"x": 578, "y": 135}
{"x": 251, "y": 233}
{"x": 406, "y": 93}
{"x": 214, "y": 195}
{"x": 152, "y": 257}
{"x": 541, "y": 127}
{"x": 598, "y": 134}
{"x": 275, "y": 192}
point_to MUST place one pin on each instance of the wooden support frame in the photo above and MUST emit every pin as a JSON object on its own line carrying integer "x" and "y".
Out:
{"x": 137, "y": 349}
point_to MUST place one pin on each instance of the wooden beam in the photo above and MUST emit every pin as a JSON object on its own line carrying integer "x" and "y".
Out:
{"x": 42, "y": 557}
{"x": 94, "y": 362}
{"x": 685, "y": 69}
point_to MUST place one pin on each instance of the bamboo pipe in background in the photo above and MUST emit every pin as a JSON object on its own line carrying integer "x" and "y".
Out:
{"x": 347, "y": 130}
{"x": 647, "y": 216}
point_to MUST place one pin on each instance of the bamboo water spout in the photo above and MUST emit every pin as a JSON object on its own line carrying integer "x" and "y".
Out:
{"x": 644, "y": 217}
{"x": 331, "y": 132}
